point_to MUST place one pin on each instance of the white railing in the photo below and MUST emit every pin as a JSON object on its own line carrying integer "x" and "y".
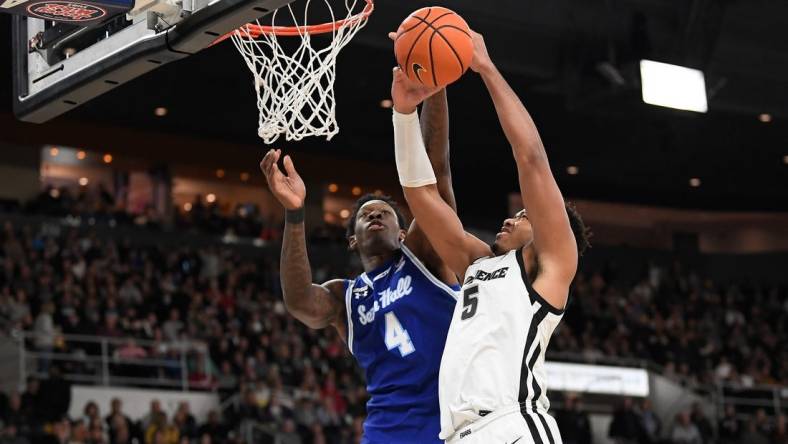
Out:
{"x": 772, "y": 399}
{"x": 98, "y": 360}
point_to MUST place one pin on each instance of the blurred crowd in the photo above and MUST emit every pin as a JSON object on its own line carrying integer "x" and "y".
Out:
{"x": 284, "y": 383}
{"x": 693, "y": 328}
{"x": 98, "y": 204}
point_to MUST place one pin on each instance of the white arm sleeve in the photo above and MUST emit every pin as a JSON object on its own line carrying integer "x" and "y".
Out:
{"x": 413, "y": 164}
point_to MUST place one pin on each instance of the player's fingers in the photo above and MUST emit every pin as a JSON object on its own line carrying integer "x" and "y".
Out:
{"x": 398, "y": 74}
{"x": 265, "y": 164}
{"x": 393, "y": 36}
{"x": 275, "y": 174}
{"x": 289, "y": 167}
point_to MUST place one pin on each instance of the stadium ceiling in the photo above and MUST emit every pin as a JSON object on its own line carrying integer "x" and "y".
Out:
{"x": 574, "y": 62}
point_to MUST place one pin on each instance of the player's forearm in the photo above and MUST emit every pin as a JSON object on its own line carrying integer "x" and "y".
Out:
{"x": 435, "y": 130}
{"x": 517, "y": 124}
{"x": 295, "y": 272}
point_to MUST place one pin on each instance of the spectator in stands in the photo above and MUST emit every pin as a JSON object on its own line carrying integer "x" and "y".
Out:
{"x": 79, "y": 432}
{"x": 45, "y": 332}
{"x": 287, "y": 434}
{"x": 625, "y": 426}
{"x": 16, "y": 308}
{"x": 684, "y": 431}
{"x": 249, "y": 409}
{"x": 147, "y": 420}
{"x": 573, "y": 422}
{"x": 702, "y": 423}
{"x": 751, "y": 434}
{"x": 30, "y": 398}
{"x": 729, "y": 427}
{"x": 173, "y": 326}
{"x": 15, "y": 421}
{"x": 213, "y": 428}
{"x": 119, "y": 425}
{"x": 90, "y": 414}
{"x": 97, "y": 434}
{"x": 650, "y": 423}
{"x": 61, "y": 432}
{"x": 763, "y": 423}
{"x": 185, "y": 422}
{"x": 160, "y": 431}
{"x": 780, "y": 434}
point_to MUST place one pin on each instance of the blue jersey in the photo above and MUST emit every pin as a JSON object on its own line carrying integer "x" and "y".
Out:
{"x": 398, "y": 318}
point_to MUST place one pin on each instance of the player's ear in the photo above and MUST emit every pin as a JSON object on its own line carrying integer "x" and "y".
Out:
{"x": 402, "y": 234}
{"x": 352, "y": 243}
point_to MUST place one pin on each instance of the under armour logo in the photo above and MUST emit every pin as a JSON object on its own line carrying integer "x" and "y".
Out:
{"x": 361, "y": 292}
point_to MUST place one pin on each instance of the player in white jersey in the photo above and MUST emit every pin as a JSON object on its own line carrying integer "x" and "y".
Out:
{"x": 492, "y": 384}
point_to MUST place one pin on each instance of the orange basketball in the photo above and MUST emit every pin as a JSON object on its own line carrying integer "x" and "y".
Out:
{"x": 434, "y": 46}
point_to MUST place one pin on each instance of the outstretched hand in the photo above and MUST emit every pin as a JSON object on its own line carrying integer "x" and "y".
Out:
{"x": 288, "y": 189}
{"x": 405, "y": 93}
{"x": 481, "y": 59}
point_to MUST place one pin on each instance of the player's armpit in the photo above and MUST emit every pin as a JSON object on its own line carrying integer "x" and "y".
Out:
{"x": 552, "y": 289}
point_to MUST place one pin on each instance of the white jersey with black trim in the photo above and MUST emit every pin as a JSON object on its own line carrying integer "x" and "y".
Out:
{"x": 495, "y": 349}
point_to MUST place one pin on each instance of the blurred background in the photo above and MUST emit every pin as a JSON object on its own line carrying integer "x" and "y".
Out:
{"x": 139, "y": 282}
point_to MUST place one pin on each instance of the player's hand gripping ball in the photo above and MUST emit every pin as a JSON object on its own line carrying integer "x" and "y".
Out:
{"x": 433, "y": 46}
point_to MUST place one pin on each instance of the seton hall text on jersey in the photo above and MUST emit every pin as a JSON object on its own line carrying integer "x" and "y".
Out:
{"x": 485, "y": 276}
{"x": 386, "y": 298}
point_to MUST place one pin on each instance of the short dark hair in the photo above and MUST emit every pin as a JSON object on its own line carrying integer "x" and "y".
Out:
{"x": 579, "y": 229}
{"x": 351, "y": 226}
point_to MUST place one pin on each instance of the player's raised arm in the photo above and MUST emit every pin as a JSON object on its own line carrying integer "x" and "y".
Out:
{"x": 553, "y": 239}
{"x": 435, "y": 130}
{"x": 317, "y": 306}
{"x": 435, "y": 217}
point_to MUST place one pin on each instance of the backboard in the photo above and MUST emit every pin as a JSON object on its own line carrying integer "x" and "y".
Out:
{"x": 59, "y": 66}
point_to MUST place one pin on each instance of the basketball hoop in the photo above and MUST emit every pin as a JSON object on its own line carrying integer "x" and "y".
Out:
{"x": 295, "y": 88}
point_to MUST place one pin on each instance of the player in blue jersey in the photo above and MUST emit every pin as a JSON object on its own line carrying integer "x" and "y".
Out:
{"x": 394, "y": 316}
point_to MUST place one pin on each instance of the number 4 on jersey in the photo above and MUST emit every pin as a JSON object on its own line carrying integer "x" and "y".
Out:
{"x": 397, "y": 337}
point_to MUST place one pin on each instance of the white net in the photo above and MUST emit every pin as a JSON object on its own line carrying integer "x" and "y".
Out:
{"x": 295, "y": 88}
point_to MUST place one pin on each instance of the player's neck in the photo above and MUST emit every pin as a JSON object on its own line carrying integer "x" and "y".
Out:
{"x": 373, "y": 261}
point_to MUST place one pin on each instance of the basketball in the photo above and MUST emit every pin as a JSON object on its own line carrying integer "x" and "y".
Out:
{"x": 433, "y": 46}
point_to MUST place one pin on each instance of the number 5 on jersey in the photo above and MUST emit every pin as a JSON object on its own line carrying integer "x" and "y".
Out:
{"x": 469, "y": 302}
{"x": 397, "y": 337}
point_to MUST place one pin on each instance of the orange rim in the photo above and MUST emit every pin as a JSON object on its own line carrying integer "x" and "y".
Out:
{"x": 253, "y": 31}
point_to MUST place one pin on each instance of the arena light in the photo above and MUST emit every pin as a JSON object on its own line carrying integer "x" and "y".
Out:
{"x": 333, "y": 187}
{"x": 220, "y": 173}
{"x": 107, "y": 158}
{"x": 160, "y": 111}
{"x": 210, "y": 198}
{"x": 785, "y": 159}
{"x": 81, "y": 155}
{"x": 244, "y": 177}
{"x": 83, "y": 181}
{"x": 345, "y": 213}
{"x": 694, "y": 182}
{"x": 54, "y": 152}
{"x": 356, "y": 191}
{"x": 187, "y": 207}
{"x": 386, "y": 103}
{"x": 572, "y": 170}
{"x": 765, "y": 118}
{"x": 673, "y": 86}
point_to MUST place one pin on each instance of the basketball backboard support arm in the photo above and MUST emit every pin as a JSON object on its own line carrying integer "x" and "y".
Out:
{"x": 43, "y": 91}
